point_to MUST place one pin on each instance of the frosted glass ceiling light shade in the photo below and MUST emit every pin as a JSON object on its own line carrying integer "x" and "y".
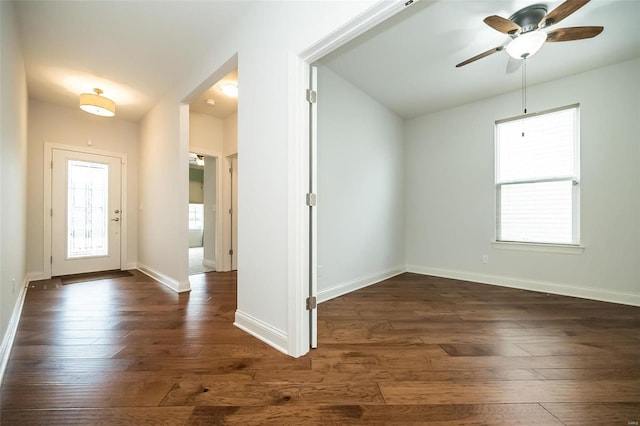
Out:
{"x": 230, "y": 89}
{"x": 526, "y": 45}
{"x": 97, "y": 105}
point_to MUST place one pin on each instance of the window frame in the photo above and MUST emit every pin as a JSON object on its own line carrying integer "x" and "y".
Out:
{"x": 575, "y": 193}
{"x": 196, "y": 213}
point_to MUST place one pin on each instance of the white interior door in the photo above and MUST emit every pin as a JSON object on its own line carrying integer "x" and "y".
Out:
{"x": 234, "y": 213}
{"x": 86, "y": 212}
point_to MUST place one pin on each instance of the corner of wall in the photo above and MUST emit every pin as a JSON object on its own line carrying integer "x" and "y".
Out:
{"x": 177, "y": 286}
{"x": 273, "y": 337}
{"x": 12, "y": 328}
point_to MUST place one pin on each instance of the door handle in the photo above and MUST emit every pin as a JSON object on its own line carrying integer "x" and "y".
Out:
{"x": 117, "y": 219}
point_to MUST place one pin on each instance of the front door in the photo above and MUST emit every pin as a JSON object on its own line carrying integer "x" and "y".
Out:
{"x": 86, "y": 212}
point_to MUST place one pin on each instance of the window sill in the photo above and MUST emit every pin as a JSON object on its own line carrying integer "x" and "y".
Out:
{"x": 538, "y": 247}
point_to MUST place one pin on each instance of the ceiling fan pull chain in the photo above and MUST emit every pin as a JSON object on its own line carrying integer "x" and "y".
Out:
{"x": 524, "y": 85}
{"x": 524, "y": 91}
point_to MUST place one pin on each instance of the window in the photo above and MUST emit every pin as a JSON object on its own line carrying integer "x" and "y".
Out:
{"x": 537, "y": 177}
{"x": 87, "y": 209}
{"x": 196, "y": 216}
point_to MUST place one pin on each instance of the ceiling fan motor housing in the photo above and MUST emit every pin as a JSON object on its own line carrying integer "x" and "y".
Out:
{"x": 529, "y": 17}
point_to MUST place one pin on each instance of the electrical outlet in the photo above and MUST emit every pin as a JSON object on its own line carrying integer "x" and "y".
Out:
{"x": 485, "y": 258}
{"x": 13, "y": 285}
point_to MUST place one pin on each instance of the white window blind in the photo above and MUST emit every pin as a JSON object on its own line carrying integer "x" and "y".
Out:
{"x": 537, "y": 178}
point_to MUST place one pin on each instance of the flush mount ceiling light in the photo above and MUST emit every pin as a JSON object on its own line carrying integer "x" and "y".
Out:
{"x": 526, "y": 45}
{"x": 211, "y": 102}
{"x": 97, "y": 105}
{"x": 230, "y": 89}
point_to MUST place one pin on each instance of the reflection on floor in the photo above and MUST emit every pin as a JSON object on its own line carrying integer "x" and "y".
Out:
{"x": 196, "y": 255}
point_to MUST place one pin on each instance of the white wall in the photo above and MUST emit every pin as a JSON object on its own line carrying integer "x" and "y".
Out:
{"x": 163, "y": 195}
{"x": 360, "y": 188}
{"x": 49, "y": 123}
{"x": 13, "y": 179}
{"x": 230, "y": 133}
{"x": 264, "y": 41}
{"x": 451, "y": 201}
{"x": 209, "y": 206}
{"x": 205, "y": 133}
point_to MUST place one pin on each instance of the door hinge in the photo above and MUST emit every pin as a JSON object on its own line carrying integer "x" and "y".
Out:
{"x": 311, "y": 303}
{"x": 230, "y": 211}
{"x": 52, "y": 164}
{"x": 51, "y": 260}
{"x": 231, "y": 252}
{"x": 230, "y": 170}
{"x": 312, "y": 199}
{"x": 51, "y": 213}
{"x": 312, "y": 96}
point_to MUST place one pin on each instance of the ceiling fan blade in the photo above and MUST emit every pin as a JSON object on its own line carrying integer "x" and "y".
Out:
{"x": 573, "y": 33}
{"x": 561, "y": 12}
{"x": 480, "y": 56}
{"x": 503, "y": 25}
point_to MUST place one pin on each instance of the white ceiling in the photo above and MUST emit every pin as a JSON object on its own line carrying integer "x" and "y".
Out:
{"x": 224, "y": 105}
{"x": 408, "y": 62}
{"x": 135, "y": 51}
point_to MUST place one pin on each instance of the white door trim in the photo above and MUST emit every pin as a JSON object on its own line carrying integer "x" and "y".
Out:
{"x": 46, "y": 213}
{"x": 298, "y": 165}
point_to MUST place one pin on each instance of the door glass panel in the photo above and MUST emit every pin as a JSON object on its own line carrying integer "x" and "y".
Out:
{"x": 87, "y": 215}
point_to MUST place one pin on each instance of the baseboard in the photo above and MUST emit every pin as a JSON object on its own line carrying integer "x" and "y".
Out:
{"x": 263, "y": 331}
{"x": 209, "y": 263}
{"x": 131, "y": 265}
{"x": 9, "y": 336}
{"x": 598, "y": 294}
{"x": 36, "y": 276}
{"x": 358, "y": 283}
{"x": 177, "y": 286}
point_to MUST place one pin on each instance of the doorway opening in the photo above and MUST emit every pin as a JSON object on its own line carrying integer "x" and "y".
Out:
{"x": 202, "y": 213}
{"x": 213, "y": 121}
{"x": 315, "y": 270}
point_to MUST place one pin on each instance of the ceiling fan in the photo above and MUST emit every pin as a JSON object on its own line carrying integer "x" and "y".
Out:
{"x": 527, "y": 27}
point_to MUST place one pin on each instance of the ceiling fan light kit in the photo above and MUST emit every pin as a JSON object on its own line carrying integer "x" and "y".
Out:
{"x": 526, "y": 26}
{"x": 526, "y": 45}
{"x": 96, "y": 104}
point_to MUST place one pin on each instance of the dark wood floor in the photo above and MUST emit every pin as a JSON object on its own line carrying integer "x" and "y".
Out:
{"x": 412, "y": 349}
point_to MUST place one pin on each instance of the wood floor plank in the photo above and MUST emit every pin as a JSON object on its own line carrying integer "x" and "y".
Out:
{"x": 65, "y": 351}
{"x": 436, "y": 415}
{"x": 156, "y": 416}
{"x": 578, "y": 414}
{"x": 500, "y": 349}
{"x": 590, "y": 373}
{"x": 343, "y": 373}
{"x": 268, "y": 393}
{"x": 94, "y": 377}
{"x": 103, "y": 395}
{"x": 511, "y": 392}
{"x": 538, "y": 362}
